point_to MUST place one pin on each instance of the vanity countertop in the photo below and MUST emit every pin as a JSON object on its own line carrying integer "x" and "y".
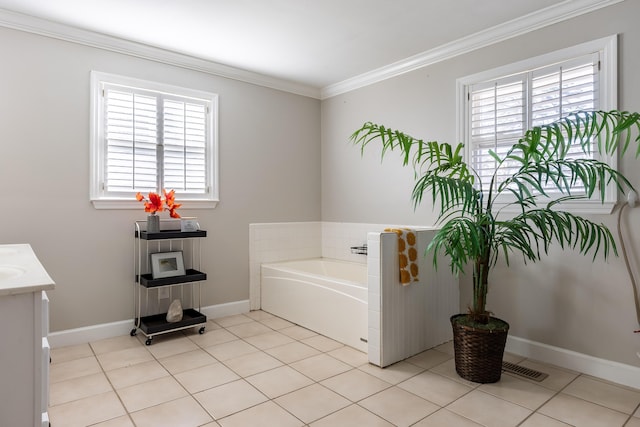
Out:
{"x": 21, "y": 271}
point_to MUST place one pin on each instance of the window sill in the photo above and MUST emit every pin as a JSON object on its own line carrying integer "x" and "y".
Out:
{"x": 583, "y": 207}
{"x": 134, "y": 204}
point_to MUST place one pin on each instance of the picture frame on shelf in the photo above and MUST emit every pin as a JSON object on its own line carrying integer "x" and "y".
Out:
{"x": 188, "y": 224}
{"x": 167, "y": 264}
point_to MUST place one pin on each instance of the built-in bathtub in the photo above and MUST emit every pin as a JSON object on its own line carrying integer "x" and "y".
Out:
{"x": 366, "y": 304}
{"x": 324, "y": 295}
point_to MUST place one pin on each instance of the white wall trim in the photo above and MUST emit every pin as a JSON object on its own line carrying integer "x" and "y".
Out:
{"x": 551, "y": 15}
{"x": 123, "y": 327}
{"x": 43, "y": 27}
{"x": 228, "y": 309}
{"x": 606, "y": 369}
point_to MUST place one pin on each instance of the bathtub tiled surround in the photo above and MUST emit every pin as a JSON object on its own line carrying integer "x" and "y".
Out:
{"x": 271, "y": 242}
{"x": 260, "y": 370}
{"x": 406, "y": 320}
{"x": 282, "y": 241}
{"x": 339, "y": 237}
{"x": 402, "y": 321}
{"x": 374, "y": 279}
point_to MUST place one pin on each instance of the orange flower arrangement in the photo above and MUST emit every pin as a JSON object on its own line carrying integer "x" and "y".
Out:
{"x": 155, "y": 203}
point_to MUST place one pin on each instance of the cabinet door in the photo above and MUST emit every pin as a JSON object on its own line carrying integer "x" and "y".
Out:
{"x": 20, "y": 362}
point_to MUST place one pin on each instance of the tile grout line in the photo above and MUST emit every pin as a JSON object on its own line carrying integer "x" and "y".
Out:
{"x": 181, "y": 385}
{"x": 113, "y": 388}
{"x": 595, "y": 403}
{"x": 351, "y": 368}
{"x": 155, "y": 358}
{"x": 318, "y": 382}
{"x": 314, "y": 382}
{"x": 243, "y": 378}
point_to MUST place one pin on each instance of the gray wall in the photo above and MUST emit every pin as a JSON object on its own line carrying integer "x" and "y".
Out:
{"x": 274, "y": 166}
{"x": 566, "y": 300}
{"x": 269, "y": 171}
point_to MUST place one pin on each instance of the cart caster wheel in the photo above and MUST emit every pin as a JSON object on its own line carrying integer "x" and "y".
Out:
{"x": 133, "y": 332}
{"x": 148, "y": 341}
{"x": 201, "y": 330}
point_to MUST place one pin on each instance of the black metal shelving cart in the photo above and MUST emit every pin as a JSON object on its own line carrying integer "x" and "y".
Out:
{"x": 149, "y": 291}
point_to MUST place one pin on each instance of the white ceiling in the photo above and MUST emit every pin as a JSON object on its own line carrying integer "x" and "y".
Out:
{"x": 316, "y": 43}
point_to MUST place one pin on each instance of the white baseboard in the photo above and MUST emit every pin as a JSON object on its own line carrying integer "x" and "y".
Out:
{"x": 606, "y": 369}
{"x": 109, "y": 330}
{"x": 601, "y": 368}
{"x": 89, "y": 333}
{"x": 227, "y": 309}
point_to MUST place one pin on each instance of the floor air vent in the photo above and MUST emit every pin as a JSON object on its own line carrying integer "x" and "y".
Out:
{"x": 521, "y": 371}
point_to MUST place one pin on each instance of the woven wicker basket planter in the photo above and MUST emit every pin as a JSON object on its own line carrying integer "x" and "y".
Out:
{"x": 478, "y": 352}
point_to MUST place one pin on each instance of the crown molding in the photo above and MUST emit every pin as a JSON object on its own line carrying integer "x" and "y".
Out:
{"x": 43, "y": 27}
{"x": 550, "y": 15}
{"x": 566, "y": 10}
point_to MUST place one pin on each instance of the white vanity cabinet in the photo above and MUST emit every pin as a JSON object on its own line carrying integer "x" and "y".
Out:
{"x": 24, "y": 348}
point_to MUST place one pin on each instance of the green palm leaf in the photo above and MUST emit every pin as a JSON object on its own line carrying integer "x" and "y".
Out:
{"x": 461, "y": 239}
{"x": 540, "y": 165}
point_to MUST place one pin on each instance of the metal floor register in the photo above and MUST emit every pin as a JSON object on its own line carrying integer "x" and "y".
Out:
{"x": 521, "y": 371}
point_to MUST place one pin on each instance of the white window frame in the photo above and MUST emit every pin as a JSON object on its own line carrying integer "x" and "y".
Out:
{"x": 101, "y": 198}
{"x": 608, "y": 100}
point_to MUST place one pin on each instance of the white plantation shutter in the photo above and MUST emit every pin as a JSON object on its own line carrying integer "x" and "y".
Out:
{"x": 501, "y": 110}
{"x": 184, "y": 146}
{"x": 498, "y": 119}
{"x": 131, "y": 139}
{"x": 559, "y": 90}
{"x": 563, "y": 89}
{"x": 149, "y": 137}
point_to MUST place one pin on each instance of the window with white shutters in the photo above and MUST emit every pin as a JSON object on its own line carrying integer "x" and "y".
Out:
{"x": 497, "y": 120}
{"x": 149, "y": 137}
{"x": 498, "y": 106}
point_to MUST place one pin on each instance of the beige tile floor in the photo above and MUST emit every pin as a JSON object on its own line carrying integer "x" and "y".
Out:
{"x": 260, "y": 370}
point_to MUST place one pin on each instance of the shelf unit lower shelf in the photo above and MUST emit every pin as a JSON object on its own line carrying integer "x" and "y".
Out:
{"x": 157, "y": 323}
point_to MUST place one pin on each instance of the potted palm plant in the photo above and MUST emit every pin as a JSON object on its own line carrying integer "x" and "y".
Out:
{"x": 475, "y": 231}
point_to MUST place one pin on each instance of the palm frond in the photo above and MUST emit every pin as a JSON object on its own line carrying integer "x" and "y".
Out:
{"x": 541, "y": 164}
{"x": 563, "y": 175}
{"x": 462, "y": 240}
{"x": 443, "y": 158}
{"x": 610, "y": 130}
{"x": 545, "y": 226}
{"x": 438, "y": 167}
{"x": 389, "y": 138}
{"x": 515, "y": 236}
{"x": 448, "y": 193}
